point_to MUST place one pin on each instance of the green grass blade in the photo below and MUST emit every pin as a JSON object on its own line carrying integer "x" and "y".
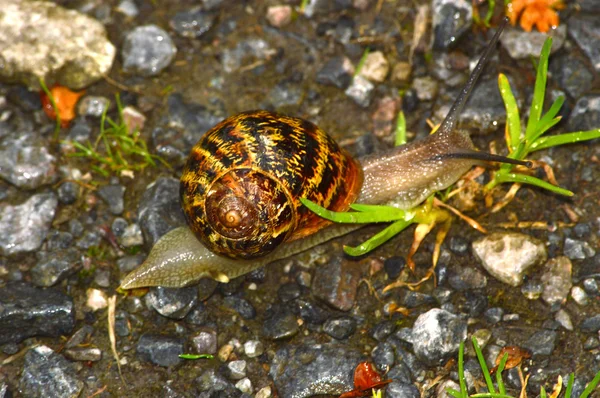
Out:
{"x": 377, "y": 239}
{"x": 542, "y": 125}
{"x": 591, "y": 386}
{"x": 54, "y": 106}
{"x": 362, "y": 61}
{"x": 400, "y": 130}
{"x": 196, "y": 356}
{"x": 570, "y": 386}
{"x": 567, "y": 138}
{"x": 454, "y": 393}
{"x": 499, "y": 381}
{"x": 385, "y": 214}
{"x": 461, "y": 370}
{"x": 542, "y": 392}
{"x": 513, "y": 121}
{"x": 539, "y": 90}
{"x": 524, "y": 179}
{"x": 484, "y": 368}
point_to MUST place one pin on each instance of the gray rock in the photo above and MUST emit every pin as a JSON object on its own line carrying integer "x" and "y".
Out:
{"x": 521, "y": 44}
{"x": 572, "y": 74}
{"x": 451, "y": 20}
{"x": 585, "y": 114}
{"x": 68, "y": 192}
{"x": 253, "y": 348}
{"x": 591, "y": 324}
{"x": 237, "y": 369}
{"x": 340, "y": 328}
{"x": 147, "y": 50}
{"x": 172, "y": 303}
{"x": 585, "y": 29}
{"x": 55, "y": 267}
{"x": 86, "y": 354}
{"x": 557, "y": 280}
{"x": 249, "y": 50}
{"x": 215, "y": 385}
{"x": 160, "y": 350}
{"x": 204, "y": 341}
{"x": 336, "y": 72}
{"x": 307, "y": 370}
{"x": 27, "y": 311}
{"x": 241, "y": 306}
{"x": 336, "y": 284}
{"x": 24, "y": 227}
{"x": 541, "y": 343}
{"x": 48, "y": 374}
{"x": 159, "y": 210}
{"x": 280, "y": 324}
{"x": 113, "y": 196}
{"x": 401, "y": 390}
{"x": 437, "y": 335}
{"x": 192, "y": 23}
{"x": 361, "y": 91}
{"x": 25, "y": 160}
{"x": 564, "y": 319}
{"x": 425, "y": 87}
{"x": 383, "y": 356}
{"x": 132, "y": 236}
{"x": 507, "y": 256}
{"x": 93, "y": 105}
{"x": 37, "y": 42}
{"x": 577, "y": 249}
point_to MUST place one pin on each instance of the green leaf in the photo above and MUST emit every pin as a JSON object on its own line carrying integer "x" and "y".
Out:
{"x": 368, "y": 214}
{"x": 461, "y": 370}
{"x": 196, "y": 356}
{"x": 570, "y": 385}
{"x": 525, "y": 179}
{"x": 539, "y": 91}
{"x": 400, "y": 130}
{"x": 591, "y": 386}
{"x": 499, "y": 381}
{"x": 513, "y": 121}
{"x": 567, "y": 138}
{"x": 483, "y": 365}
{"x": 377, "y": 239}
{"x": 548, "y": 117}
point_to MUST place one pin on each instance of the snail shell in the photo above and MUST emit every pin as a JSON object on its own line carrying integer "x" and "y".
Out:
{"x": 241, "y": 184}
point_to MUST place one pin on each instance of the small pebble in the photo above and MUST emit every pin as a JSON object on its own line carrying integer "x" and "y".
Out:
{"x": 253, "y": 348}
{"x": 580, "y": 296}
{"x": 279, "y": 16}
{"x": 237, "y": 369}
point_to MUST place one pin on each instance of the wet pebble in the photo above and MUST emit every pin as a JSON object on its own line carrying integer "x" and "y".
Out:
{"x": 113, "y": 195}
{"x": 132, "y": 236}
{"x": 375, "y": 67}
{"x": 93, "y": 106}
{"x": 426, "y": 88}
{"x": 585, "y": 114}
{"x": 361, "y": 91}
{"x": 493, "y": 315}
{"x": 437, "y": 335}
{"x": 336, "y": 72}
{"x": 85, "y": 354}
{"x": 80, "y": 131}
{"x": 313, "y": 369}
{"x": 572, "y": 74}
{"x": 310, "y": 312}
{"x": 129, "y": 263}
{"x": 591, "y": 324}
{"x": 541, "y": 343}
{"x": 577, "y": 249}
{"x": 416, "y": 299}
{"x": 25, "y": 160}
{"x": 246, "y": 51}
{"x": 580, "y": 296}
{"x": 147, "y": 50}
{"x": 89, "y": 239}
{"x": 336, "y": 284}
{"x": 451, "y": 20}
{"x": 521, "y": 44}
{"x": 215, "y": 385}
{"x": 279, "y": 16}
{"x": 204, "y": 341}
{"x": 532, "y": 289}
{"x": 382, "y": 330}
{"x": 160, "y": 350}
{"x": 128, "y": 7}
{"x": 48, "y": 374}
{"x": 174, "y": 303}
{"x": 584, "y": 28}
{"x": 68, "y": 192}
{"x": 564, "y": 319}
{"x": 556, "y": 280}
{"x": 54, "y": 267}
{"x": 280, "y": 324}
{"x": 253, "y": 348}
{"x": 159, "y": 210}
{"x": 102, "y": 277}
{"x": 237, "y": 369}
{"x": 245, "y": 386}
{"x": 466, "y": 278}
{"x": 383, "y": 356}
{"x": 192, "y": 23}
{"x": 241, "y": 306}
{"x": 401, "y": 390}
{"x": 28, "y": 311}
{"x": 340, "y": 328}
{"x": 285, "y": 94}
{"x": 393, "y": 266}
{"x": 508, "y": 256}
{"x": 289, "y": 291}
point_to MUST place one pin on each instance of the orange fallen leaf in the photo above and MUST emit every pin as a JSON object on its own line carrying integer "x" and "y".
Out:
{"x": 366, "y": 378}
{"x": 515, "y": 357}
{"x": 65, "y": 100}
{"x": 540, "y": 13}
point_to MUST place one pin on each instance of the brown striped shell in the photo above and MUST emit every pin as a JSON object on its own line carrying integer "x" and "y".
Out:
{"x": 241, "y": 185}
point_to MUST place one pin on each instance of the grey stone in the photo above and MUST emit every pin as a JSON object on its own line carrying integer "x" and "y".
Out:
{"x": 192, "y": 23}
{"x": 48, "y": 374}
{"x": 557, "y": 280}
{"x": 37, "y": 43}
{"x": 27, "y": 311}
{"x": 451, "y": 20}
{"x": 253, "y": 348}
{"x": 521, "y": 44}
{"x": 340, "y": 328}
{"x": 113, "y": 196}
{"x": 507, "y": 256}
{"x": 147, "y": 50}
{"x": 572, "y": 74}
{"x": 172, "y": 303}
{"x": 160, "y": 350}
{"x": 55, "y": 267}
{"x": 307, "y": 370}
{"x": 541, "y": 343}
{"x": 437, "y": 335}
{"x": 159, "y": 210}
{"x": 204, "y": 341}
{"x": 585, "y": 29}
{"x": 336, "y": 72}
{"x": 248, "y": 50}
{"x": 586, "y": 114}
{"x": 336, "y": 284}
{"x": 24, "y": 227}
{"x": 361, "y": 91}
{"x": 25, "y": 160}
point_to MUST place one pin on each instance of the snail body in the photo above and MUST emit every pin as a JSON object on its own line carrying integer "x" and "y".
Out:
{"x": 235, "y": 227}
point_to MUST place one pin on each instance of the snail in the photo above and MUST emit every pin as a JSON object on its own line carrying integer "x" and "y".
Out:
{"x": 241, "y": 185}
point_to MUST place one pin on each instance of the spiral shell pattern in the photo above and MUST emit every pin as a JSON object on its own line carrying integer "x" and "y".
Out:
{"x": 241, "y": 185}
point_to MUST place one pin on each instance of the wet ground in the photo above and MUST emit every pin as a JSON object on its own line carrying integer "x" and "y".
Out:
{"x": 299, "y": 326}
